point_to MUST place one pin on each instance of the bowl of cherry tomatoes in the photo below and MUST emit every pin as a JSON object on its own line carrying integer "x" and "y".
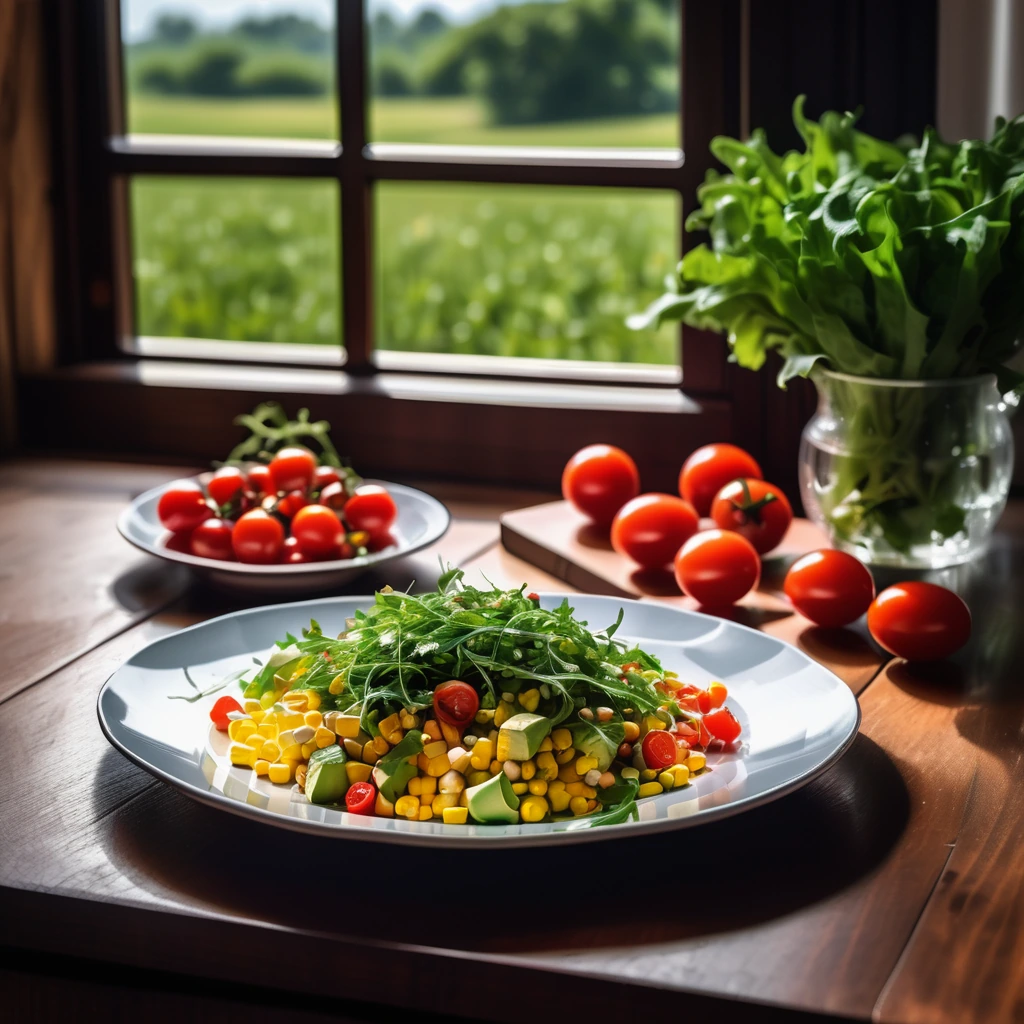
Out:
{"x": 291, "y": 525}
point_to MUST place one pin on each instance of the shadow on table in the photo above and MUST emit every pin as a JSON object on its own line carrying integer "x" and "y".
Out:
{"x": 759, "y": 865}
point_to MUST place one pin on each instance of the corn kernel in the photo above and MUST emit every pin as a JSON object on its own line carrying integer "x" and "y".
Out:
{"x": 538, "y": 787}
{"x": 409, "y": 720}
{"x": 483, "y": 752}
{"x": 556, "y": 787}
{"x": 307, "y": 749}
{"x": 681, "y": 774}
{"x": 271, "y": 751}
{"x": 565, "y": 756}
{"x": 268, "y": 730}
{"x": 383, "y": 808}
{"x": 381, "y": 745}
{"x": 415, "y": 787}
{"x": 347, "y": 726}
{"x": 240, "y": 728}
{"x": 558, "y": 799}
{"x": 667, "y": 780}
{"x": 289, "y": 720}
{"x": 337, "y": 685}
{"x": 502, "y": 713}
{"x": 354, "y": 749}
{"x": 519, "y": 788}
{"x": 432, "y": 729}
{"x": 422, "y": 761}
{"x": 581, "y": 789}
{"x": 296, "y": 703}
{"x": 280, "y": 772}
{"x": 651, "y": 723}
{"x": 357, "y": 772}
{"x": 648, "y": 775}
{"x": 407, "y": 807}
{"x": 454, "y": 815}
{"x": 631, "y": 732}
{"x": 561, "y": 739}
{"x": 425, "y": 813}
{"x": 258, "y": 716}
{"x": 578, "y": 805}
{"x": 545, "y": 745}
{"x": 650, "y": 789}
{"x": 389, "y": 725}
{"x": 458, "y": 757}
{"x": 568, "y": 774}
{"x": 254, "y": 740}
{"x": 241, "y": 753}
{"x": 547, "y": 766}
{"x": 426, "y": 799}
{"x": 250, "y": 705}
{"x": 268, "y": 700}
{"x": 450, "y": 735}
{"x": 529, "y": 700}
{"x": 494, "y": 767}
{"x": 435, "y": 749}
{"x": 439, "y": 765}
{"x": 261, "y": 766}
{"x": 369, "y": 753}
{"x": 313, "y": 719}
{"x": 585, "y": 764}
{"x": 323, "y": 738}
{"x": 476, "y": 778}
{"x": 312, "y": 699}
{"x": 300, "y": 775}
{"x": 464, "y": 798}
{"x": 443, "y": 800}
{"x": 695, "y": 762}
{"x": 429, "y": 785}
{"x": 533, "y": 808}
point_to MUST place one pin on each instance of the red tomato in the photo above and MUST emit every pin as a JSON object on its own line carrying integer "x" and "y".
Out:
{"x": 334, "y": 496}
{"x": 360, "y": 798}
{"x": 290, "y": 504}
{"x": 323, "y": 476}
{"x": 260, "y": 480}
{"x": 717, "y": 567}
{"x": 456, "y": 703}
{"x": 722, "y": 724}
{"x": 919, "y": 621}
{"x": 225, "y": 485}
{"x": 831, "y": 588}
{"x": 371, "y": 508}
{"x": 258, "y": 538}
{"x": 598, "y": 480}
{"x": 219, "y": 712}
{"x": 709, "y": 469}
{"x": 652, "y": 528}
{"x": 182, "y": 507}
{"x": 658, "y": 749}
{"x": 345, "y": 551}
{"x": 292, "y": 554}
{"x": 317, "y": 530}
{"x": 293, "y": 469}
{"x": 759, "y": 511}
{"x": 212, "y": 539}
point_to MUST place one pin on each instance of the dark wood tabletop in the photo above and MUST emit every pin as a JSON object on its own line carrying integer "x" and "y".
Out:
{"x": 891, "y": 888}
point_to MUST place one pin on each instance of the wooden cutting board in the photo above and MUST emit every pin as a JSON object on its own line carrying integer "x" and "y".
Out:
{"x": 560, "y": 541}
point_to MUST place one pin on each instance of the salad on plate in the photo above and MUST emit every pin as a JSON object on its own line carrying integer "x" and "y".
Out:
{"x": 472, "y": 705}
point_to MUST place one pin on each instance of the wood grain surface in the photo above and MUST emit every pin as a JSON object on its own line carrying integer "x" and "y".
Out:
{"x": 889, "y": 888}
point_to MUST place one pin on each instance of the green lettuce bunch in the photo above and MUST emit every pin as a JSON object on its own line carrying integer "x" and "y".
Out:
{"x": 881, "y": 260}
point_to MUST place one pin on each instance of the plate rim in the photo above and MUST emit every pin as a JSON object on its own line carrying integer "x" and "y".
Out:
{"x": 285, "y": 571}
{"x": 464, "y": 841}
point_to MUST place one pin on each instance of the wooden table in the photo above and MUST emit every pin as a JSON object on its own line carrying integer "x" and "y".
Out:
{"x": 890, "y": 889}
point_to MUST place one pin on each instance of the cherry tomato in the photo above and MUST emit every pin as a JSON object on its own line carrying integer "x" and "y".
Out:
{"x": 212, "y": 539}
{"x": 290, "y": 504}
{"x": 292, "y": 554}
{"x": 260, "y": 481}
{"x": 360, "y": 798}
{"x": 258, "y": 538}
{"x": 380, "y": 541}
{"x": 323, "y": 476}
{"x": 225, "y": 485}
{"x": 722, "y": 724}
{"x": 652, "y": 528}
{"x": 717, "y": 693}
{"x": 759, "y": 511}
{"x": 658, "y": 749}
{"x": 598, "y": 480}
{"x": 317, "y": 530}
{"x": 831, "y": 588}
{"x": 456, "y": 703}
{"x": 371, "y": 508}
{"x": 919, "y": 621}
{"x": 182, "y": 507}
{"x": 717, "y": 567}
{"x": 709, "y": 469}
{"x": 293, "y": 469}
{"x": 345, "y": 551}
{"x": 219, "y": 712}
{"x": 334, "y": 496}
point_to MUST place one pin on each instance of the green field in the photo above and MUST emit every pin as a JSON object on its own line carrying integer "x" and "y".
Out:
{"x": 498, "y": 270}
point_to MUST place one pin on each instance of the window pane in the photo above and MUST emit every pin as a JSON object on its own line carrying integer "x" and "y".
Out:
{"x": 523, "y": 270}
{"x": 230, "y": 67}
{"x": 237, "y": 259}
{"x": 560, "y": 73}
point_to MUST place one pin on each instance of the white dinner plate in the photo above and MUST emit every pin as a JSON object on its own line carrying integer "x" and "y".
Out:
{"x": 421, "y": 521}
{"x": 797, "y": 718}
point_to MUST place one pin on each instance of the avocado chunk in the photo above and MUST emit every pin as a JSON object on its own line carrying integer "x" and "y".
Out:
{"x": 493, "y": 802}
{"x": 326, "y": 777}
{"x": 394, "y": 770}
{"x": 521, "y": 736}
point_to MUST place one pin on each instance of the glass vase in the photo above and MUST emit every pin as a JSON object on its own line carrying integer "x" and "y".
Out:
{"x": 911, "y": 474}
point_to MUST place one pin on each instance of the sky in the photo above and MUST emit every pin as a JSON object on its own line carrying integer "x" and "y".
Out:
{"x": 138, "y": 15}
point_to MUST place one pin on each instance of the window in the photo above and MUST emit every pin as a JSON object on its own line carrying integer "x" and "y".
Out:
{"x": 424, "y": 193}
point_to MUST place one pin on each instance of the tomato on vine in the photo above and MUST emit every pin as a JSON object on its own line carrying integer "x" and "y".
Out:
{"x": 755, "y": 509}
